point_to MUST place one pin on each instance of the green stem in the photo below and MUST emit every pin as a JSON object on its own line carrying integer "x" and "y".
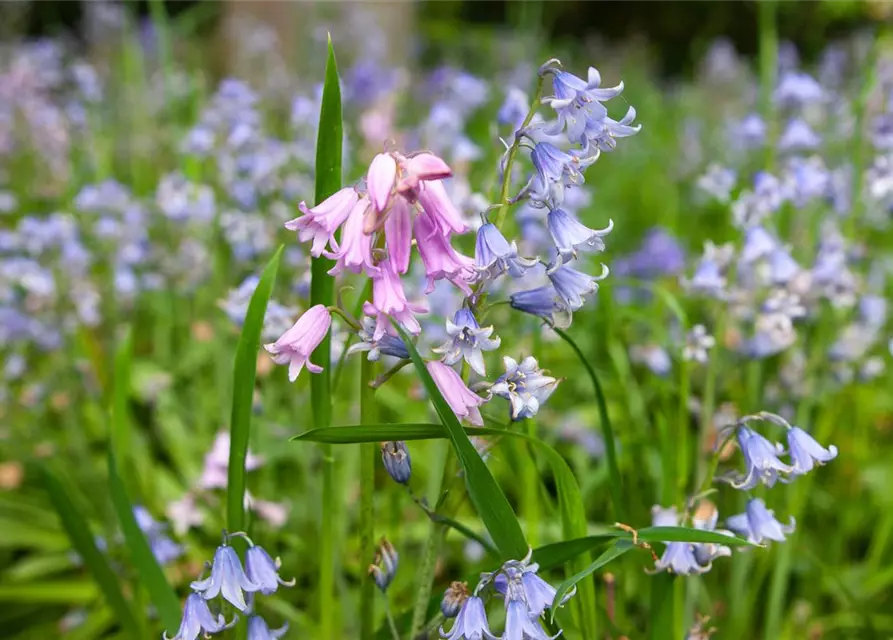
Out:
{"x": 531, "y": 490}
{"x": 513, "y": 151}
{"x": 682, "y": 431}
{"x": 368, "y": 457}
{"x": 393, "y": 625}
{"x": 768, "y": 69}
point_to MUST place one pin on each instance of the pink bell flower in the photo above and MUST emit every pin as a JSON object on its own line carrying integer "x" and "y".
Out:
{"x": 436, "y": 203}
{"x": 461, "y": 399}
{"x": 440, "y": 259}
{"x": 389, "y": 299}
{"x": 380, "y": 180}
{"x": 424, "y": 166}
{"x": 296, "y": 344}
{"x": 320, "y": 223}
{"x": 398, "y": 233}
{"x": 355, "y": 250}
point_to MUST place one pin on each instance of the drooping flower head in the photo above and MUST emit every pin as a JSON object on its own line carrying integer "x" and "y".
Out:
{"x": 761, "y": 461}
{"x": 758, "y": 523}
{"x": 464, "y": 402}
{"x": 227, "y": 578}
{"x": 471, "y": 622}
{"x": 198, "y": 620}
{"x": 263, "y": 571}
{"x": 296, "y": 344}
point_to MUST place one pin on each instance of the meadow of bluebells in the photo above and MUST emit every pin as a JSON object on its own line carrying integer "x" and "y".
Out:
{"x": 717, "y": 249}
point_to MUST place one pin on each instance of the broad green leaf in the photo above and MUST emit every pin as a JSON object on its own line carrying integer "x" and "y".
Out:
{"x": 150, "y": 572}
{"x": 354, "y": 434}
{"x": 557, "y": 553}
{"x": 617, "y": 549}
{"x": 328, "y": 180}
{"x": 489, "y": 501}
{"x": 78, "y": 592}
{"x": 685, "y": 534}
{"x": 82, "y": 540}
{"x": 244, "y": 373}
{"x": 607, "y": 430}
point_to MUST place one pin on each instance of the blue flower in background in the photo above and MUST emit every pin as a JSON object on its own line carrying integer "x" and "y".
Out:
{"x": 259, "y": 630}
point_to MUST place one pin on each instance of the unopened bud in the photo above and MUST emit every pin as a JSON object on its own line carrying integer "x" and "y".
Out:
{"x": 453, "y": 599}
{"x": 395, "y": 457}
{"x": 385, "y": 567}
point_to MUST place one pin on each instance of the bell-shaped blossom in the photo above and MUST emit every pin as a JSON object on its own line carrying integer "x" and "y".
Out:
{"x": 797, "y": 89}
{"x": 761, "y": 462}
{"x": 520, "y": 624}
{"x": 782, "y": 267}
{"x": 570, "y": 235}
{"x": 227, "y": 578}
{"x": 758, "y": 523}
{"x": 758, "y": 243}
{"x": 296, "y": 344}
{"x": 572, "y": 286}
{"x": 398, "y": 234}
{"x": 798, "y": 136}
{"x": 525, "y": 386}
{"x": 263, "y": 571}
{"x": 198, "y": 620}
{"x": 545, "y": 303}
{"x": 440, "y": 259}
{"x": 602, "y": 135}
{"x": 554, "y": 170}
{"x": 464, "y": 402}
{"x": 434, "y": 200}
{"x": 259, "y": 630}
{"x": 389, "y": 299}
{"x": 468, "y": 340}
{"x": 380, "y": 180}
{"x": 493, "y": 255}
{"x": 471, "y": 622}
{"x": 396, "y": 460}
{"x": 578, "y": 103}
{"x": 386, "y": 344}
{"x": 422, "y": 167}
{"x": 354, "y": 251}
{"x": 679, "y": 558}
{"x": 806, "y": 452}
{"x": 320, "y": 223}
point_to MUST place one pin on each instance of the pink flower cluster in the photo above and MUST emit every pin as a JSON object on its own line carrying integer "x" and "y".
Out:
{"x": 404, "y": 199}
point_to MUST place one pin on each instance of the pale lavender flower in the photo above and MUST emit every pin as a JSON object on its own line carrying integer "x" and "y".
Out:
{"x": 555, "y": 170}
{"x": 571, "y": 235}
{"x": 749, "y": 133}
{"x": 652, "y": 356}
{"x": 806, "y": 452}
{"x": 602, "y": 135}
{"x": 198, "y": 620}
{"x": 263, "y": 571}
{"x": 659, "y": 255}
{"x": 525, "y": 386}
{"x": 544, "y": 303}
{"x": 185, "y": 201}
{"x": 679, "y": 558}
{"x": 697, "y": 343}
{"x": 214, "y": 473}
{"x": 464, "y": 403}
{"x": 514, "y": 109}
{"x": 773, "y": 333}
{"x": 798, "y": 136}
{"x": 758, "y": 243}
{"x": 227, "y": 578}
{"x": 572, "y": 286}
{"x": 184, "y": 514}
{"x": 758, "y": 523}
{"x": 296, "y": 344}
{"x": 798, "y": 89}
{"x": 761, "y": 462}
{"x": 468, "y": 341}
{"x": 471, "y": 622}
{"x": 578, "y": 103}
{"x": 718, "y": 182}
{"x": 259, "y": 630}
{"x": 493, "y": 255}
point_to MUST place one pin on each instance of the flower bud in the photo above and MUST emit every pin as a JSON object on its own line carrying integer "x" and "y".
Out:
{"x": 395, "y": 457}
{"x": 453, "y": 599}
{"x": 385, "y": 566}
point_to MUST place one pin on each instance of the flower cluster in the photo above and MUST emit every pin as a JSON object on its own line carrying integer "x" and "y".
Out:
{"x": 230, "y": 581}
{"x": 525, "y": 595}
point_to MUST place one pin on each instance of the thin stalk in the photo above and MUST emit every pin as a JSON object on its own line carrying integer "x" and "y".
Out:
{"x": 531, "y": 490}
{"x": 393, "y": 625}
{"x": 767, "y": 10}
{"x": 682, "y": 431}
{"x": 513, "y": 151}
{"x": 368, "y": 457}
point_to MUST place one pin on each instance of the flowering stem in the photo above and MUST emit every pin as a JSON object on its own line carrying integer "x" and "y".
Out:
{"x": 512, "y": 152}
{"x": 531, "y": 489}
{"x": 682, "y": 430}
{"x": 393, "y": 625}
{"x": 387, "y": 375}
{"x": 368, "y": 456}
{"x": 768, "y": 69}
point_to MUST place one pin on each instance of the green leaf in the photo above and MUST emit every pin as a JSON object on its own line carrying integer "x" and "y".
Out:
{"x": 557, "y": 553}
{"x": 685, "y": 534}
{"x": 354, "y": 434}
{"x": 150, "y": 572}
{"x": 82, "y": 539}
{"x": 490, "y": 502}
{"x": 613, "y": 552}
{"x": 607, "y": 430}
{"x": 78, "y": 592}
{"x": 244, "y": 373}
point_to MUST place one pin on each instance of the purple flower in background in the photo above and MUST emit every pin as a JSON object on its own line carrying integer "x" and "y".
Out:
{"x": 464, "y": 403}
{"x": 798, "y": 136}
{"x": 806, "y": 452}
{"x": 659, "y": 255}
{"x": 227, "y": 578}
{"x": 514, "y": 109}
{"x": 471, "y": 622}
{"x": 198, "y": 620}
{"x": 653, "y": 356}
{"x": 718, "y": 182}
{"x": 798, "y": 89}
{"x": 758, "y": 523}
{"x": 758, "y": 243}
{"x": 296, "y": 344}
{"x": 749, "y": 133}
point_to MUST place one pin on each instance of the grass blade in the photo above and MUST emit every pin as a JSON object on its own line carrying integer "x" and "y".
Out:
{"x": 328, "y": 181}
{"x": 244, "y": 373}
{"x": 607, "y": 430}
{"x": 150, "y": 572}
{"x": 617, "y": 549}
{"x": 488, "y": 499}
{"x": 78, "y": 530}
